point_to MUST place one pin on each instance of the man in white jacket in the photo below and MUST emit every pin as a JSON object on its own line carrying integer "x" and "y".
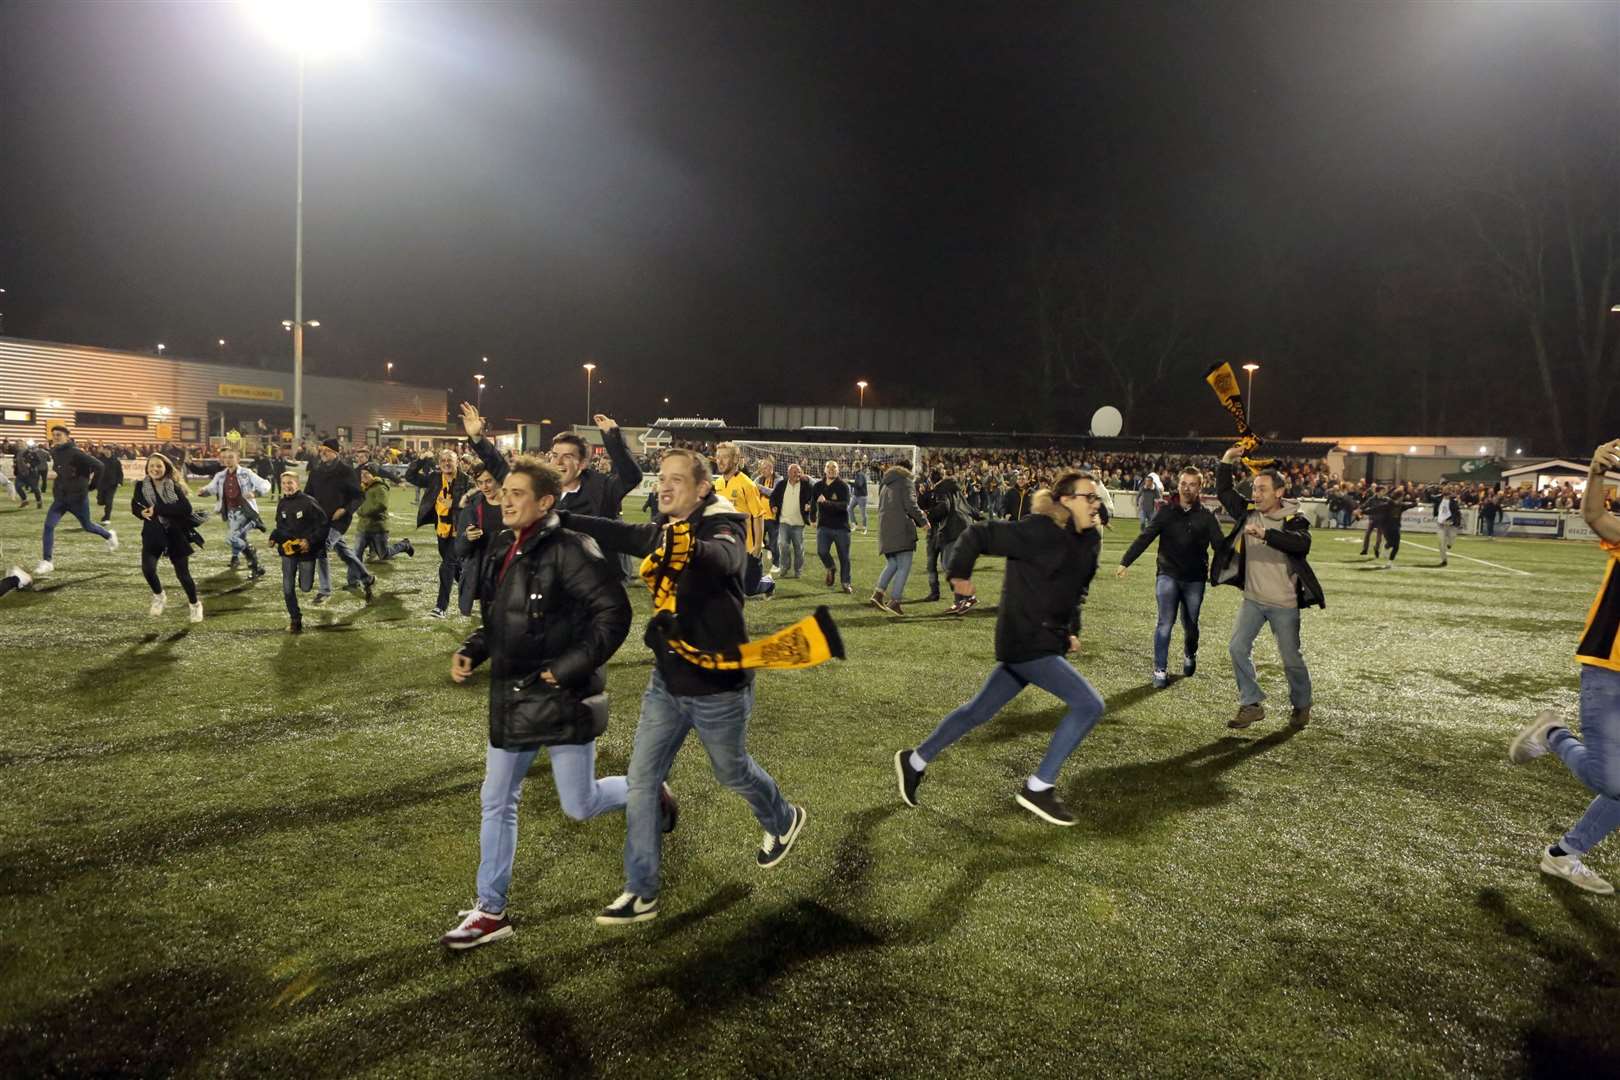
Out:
{"x": 237, "y": 488}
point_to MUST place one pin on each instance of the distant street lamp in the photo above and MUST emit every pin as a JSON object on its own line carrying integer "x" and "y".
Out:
{"x": 861, "y": 386}
{"x": 389, "y": 369}
{"x": 589, "y": 369}
{"x": 479, "y": 379}
{"x": 1248, "y": 397}
{"x": 160, "y": 348}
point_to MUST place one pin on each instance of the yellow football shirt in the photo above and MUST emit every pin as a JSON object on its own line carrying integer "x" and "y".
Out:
{"x": 744, "y": 495}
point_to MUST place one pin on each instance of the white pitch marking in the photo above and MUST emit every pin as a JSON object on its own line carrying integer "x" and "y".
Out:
{"x": 1460, "y": 555}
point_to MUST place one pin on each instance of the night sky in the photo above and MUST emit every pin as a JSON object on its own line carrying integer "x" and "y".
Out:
{"x": 742, "y": 202}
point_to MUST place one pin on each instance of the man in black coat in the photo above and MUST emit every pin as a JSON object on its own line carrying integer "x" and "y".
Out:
{"x": 30, "y": 475}
{"x": 335, "y": 487}
{"x": 1186, "y": 532}
{"x": 587, "y": 490}
{"x": 76, "y": 473}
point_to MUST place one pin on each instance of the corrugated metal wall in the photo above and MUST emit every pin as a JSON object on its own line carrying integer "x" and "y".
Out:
{"x": 83, "y": 379}
{"x": 845, "y": 418}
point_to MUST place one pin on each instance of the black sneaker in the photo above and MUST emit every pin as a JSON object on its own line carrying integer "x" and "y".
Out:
{"x": 932, "y": 597}
{"x": 321, "y": 598}
{"x": 236, "y": 562}
{"x": 295, "y": 627}
{"x": 1045, "y": 805}
{"x": 964, "y": 604}
{"x": 669, "y": 808}
{"x": 1189, "y": 666}
{"x": 909, "y": 777}
{"x": 628, "y": 908}
{"x": 773, "y": 849}
{"x": 367, "y": 585}
{"x": 255, "y": 572}
{"x": 410, "y": 549}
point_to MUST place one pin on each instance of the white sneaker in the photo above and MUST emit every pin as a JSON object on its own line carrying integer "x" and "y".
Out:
{"x": 158, "y": 600}
{"x": 1572, "y": 870}
{"x": 1531, "y": 741}
{"x": 196, "y": 611}
{"x": 112, "y": 540}
{"x": 23, "y": 579}
{"x": 43, "y": 568}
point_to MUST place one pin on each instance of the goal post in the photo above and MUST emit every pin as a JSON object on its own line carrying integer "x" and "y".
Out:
{"x": 810, "y": 457}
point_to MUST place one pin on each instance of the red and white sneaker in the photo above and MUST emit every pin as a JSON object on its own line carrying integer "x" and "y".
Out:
{"x": 477, "y": 928}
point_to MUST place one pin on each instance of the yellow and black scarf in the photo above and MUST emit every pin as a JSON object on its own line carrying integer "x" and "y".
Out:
{"x": 1223, "y": 380}
{"x": 812, "y": 640}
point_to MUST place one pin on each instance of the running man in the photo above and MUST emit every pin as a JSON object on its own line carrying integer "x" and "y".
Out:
{"x": 1186, "y": 532}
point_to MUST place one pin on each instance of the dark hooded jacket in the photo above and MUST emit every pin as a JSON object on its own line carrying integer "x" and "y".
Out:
{"x": 76, "y": 472}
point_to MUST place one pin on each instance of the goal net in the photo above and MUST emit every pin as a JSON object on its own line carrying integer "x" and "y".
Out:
{"x": 810, "y": 457}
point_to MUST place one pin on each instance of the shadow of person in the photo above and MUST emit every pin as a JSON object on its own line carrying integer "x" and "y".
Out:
{"x": 1120, "y": 800}
{"x": 1575, "y": 1033}
{"x": 136, "y": 662}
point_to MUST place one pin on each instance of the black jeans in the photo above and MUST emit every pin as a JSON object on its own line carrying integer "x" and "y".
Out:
{"x": 182, "y": 572}
{"x": 296, "y": 574}
{"x": 449, "y": 570}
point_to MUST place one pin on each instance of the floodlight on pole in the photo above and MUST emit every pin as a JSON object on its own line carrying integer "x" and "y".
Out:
{"x": 389, "y": 368}
{"x": 589, "y": 370}
{"x": 861, "y": 386}
{"x": 479, "y": 379}
{"x": 1248, "y": 395}
{"x": 160, "y": 348}
{"x": 312, "y": 29}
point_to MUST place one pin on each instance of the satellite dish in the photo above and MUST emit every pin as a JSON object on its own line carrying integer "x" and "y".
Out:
{"x": 1107, "y": 422}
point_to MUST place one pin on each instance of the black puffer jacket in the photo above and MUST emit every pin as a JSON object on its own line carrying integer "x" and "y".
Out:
{"x": 1049, "y": 570}
{"x": 169, "y": 530}
{"x": 708, "y": 597}
{"x": 76, "y": 471}
{"x": 559, "y": 607}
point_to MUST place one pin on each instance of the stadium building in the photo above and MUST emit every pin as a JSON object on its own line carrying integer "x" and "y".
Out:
{"x": 106, "y": 395}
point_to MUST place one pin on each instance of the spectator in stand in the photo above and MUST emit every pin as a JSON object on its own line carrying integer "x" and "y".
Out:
{"x": 1015, "y": 503}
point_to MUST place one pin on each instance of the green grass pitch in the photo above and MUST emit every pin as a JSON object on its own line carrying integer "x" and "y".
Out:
{"x": 225, "y": 851}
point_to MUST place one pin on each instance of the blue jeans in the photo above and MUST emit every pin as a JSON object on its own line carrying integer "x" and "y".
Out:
{"x": 857, "y": 502}
{"x": 789, "y": 548}
{"x": 79, "y": 508}
{"x": 826, "y": 540}
{"x": 1594, "y": 758}
{"x": 896, "y": 568}
{"x": 295, "y": 574}
{"x": 1053, "y": 674}
{"x": 721, "y": 721}
{"x": 377, "y": 543}
{"x": 581, "y": 794}
{"x": 357, "y": 570}
{"x": 1186, "y": 597}
{"x": 1285, "y": 628}
{"x": 238, "y": 523}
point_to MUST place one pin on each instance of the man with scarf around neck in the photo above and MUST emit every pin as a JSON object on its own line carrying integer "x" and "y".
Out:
{"x": 697, "y": 550}
{"x": 1051, "y": 558}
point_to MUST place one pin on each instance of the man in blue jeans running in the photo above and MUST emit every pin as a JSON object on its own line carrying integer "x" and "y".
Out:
{"x": 1186, "y": 532}
{"x": 76, "y": 474}
{"x": 697, "y": 549}
{"x": 1594, "y": 757}
{"x": 1265, "y": 557}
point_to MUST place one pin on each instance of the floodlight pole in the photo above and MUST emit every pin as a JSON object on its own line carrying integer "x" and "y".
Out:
{"x": 298, "y": 273}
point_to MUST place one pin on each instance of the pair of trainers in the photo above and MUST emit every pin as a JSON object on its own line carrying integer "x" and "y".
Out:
{"x": 629, "y": 908}
{"x": 1530, "y": 743}
{"x": 1249, "y": 715}
{"x": 159, "y": 600}
{"x": 1044, "y": 804}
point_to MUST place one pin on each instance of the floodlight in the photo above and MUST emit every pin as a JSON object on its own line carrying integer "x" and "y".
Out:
{"x": 313, "y": 28}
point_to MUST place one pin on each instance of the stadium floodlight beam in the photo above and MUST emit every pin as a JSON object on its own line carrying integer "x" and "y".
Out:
{"x": 589, "y": 371}
{"x": 313, "y": 30}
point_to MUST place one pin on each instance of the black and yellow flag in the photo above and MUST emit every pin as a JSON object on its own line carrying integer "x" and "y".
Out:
{"x": 1223, "y": 380}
